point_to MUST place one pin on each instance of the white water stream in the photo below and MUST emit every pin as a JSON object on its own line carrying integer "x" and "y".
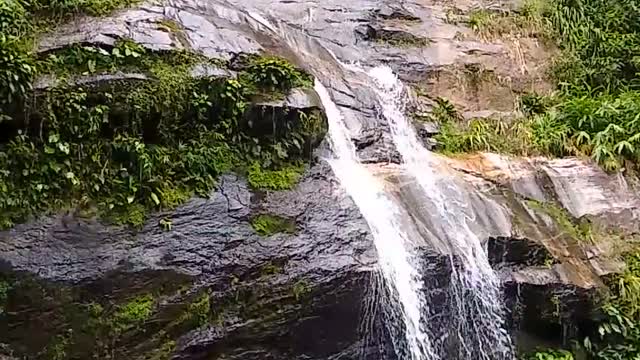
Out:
{"x": 402, "y": 277}
{"x": 475, "y": 288}
{"x": 475, "y": 327}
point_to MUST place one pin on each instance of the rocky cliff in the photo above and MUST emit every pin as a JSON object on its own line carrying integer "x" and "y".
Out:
{"x": 291, "y": 274}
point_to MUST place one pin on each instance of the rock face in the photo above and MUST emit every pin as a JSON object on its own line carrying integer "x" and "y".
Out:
{"x": 553, "y": 229}
{"x": 211, "y": 287}
{"x": 276, "y": 297}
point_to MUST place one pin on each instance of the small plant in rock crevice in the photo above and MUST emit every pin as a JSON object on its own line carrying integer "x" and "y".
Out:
{"x": 266, "y": 225}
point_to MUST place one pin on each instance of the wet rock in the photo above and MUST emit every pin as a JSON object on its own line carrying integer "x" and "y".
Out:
{"x": 503, "y": 251}
{"x": 395, "y": 36}
{"x": 282, "y": 282}
{"x": 211, "y": 72}
{"x": 367, "y": 138}
{"x": 551, "y": 273}
{"x": 94, "y": 82}
{"x": 426, "y": 130}
{"x": 300, "y": 98}
{"x": 395, "y": 12}
{"x": 276, "y": 116}
{"x": 551, "y": 314}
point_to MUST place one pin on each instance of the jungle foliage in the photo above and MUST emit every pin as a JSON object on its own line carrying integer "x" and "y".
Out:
{"x": 142, "y": 144}
{"x": 596, "y": 109}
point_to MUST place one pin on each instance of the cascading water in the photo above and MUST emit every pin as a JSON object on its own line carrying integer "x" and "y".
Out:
{"x": 477, "y": 318}
{"x": 403, "y": 281}
{"x": 475, "y": 298}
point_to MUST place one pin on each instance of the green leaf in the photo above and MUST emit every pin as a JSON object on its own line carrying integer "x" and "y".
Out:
{"x": 155, "y": 199}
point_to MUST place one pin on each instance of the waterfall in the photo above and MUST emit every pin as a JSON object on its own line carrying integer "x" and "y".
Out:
{"x": 401, "y": 276}
{"x": 475, "y": 296}
{"x": 474, "y": 320}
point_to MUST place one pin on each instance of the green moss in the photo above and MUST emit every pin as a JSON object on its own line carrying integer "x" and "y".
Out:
{"x": 267, "y": 225}
{"x": 59, "y": 347}
{"x": 405, "y": 41}
{"x": 581, "y": 231}
{"x": 300, "y": 289}
{"x": 271, "y": 268}
{"x": 132, "y": 314}
{"x": 171, "y": 25}
{"x": 200, "y": 310}
{"x": 281, "y": 179}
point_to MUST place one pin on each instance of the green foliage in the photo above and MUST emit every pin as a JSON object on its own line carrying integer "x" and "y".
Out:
{"x": 602, "y": 38}
{"x": 618, "y": 336}
{"x": 275, "y": 74}
{"x": 281, "y": 179}
{"x": 578, "y": 230}
{"x": 198, "y": 313}
{"x": 57, "y": 350}
{"x": 177, "y": 135}
{"x": 4, "y": 294}
{"x": 134, "y": 147}
{"x": 534, "y": 104}
{"x": 266, "y": 225}
{"x": 64, "y": 8}
{"x": 163, "y": 352}
{"x": 597, "y": 73}
{"x": 528, "y": 22}
{"x": 16, "y": 72}
{"x": 300, "y": 289}
{"x": 132, "y": 314}
{"x": 20, "y": 20}
{"x": 200, "y": 309}
{"x": 595, "y": 112}
{"x": 550, "y": 355}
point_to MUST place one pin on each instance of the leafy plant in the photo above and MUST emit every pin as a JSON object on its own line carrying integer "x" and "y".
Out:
{"x": 179, "y": 133}
{"x": 550, "y": 355}
{"x": 132, "y": 314}
{"x": 618, "y": 336}
{"x": 276, "y": 74}
{"x": 282, "y": 179}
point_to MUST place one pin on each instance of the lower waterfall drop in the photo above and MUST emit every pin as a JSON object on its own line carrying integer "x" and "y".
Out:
{"x": 478, "y": 318}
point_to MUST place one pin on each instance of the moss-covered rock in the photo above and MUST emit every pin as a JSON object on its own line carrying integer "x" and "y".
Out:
{"x": 266, "y": 224}
{"x": 125, "y": 145}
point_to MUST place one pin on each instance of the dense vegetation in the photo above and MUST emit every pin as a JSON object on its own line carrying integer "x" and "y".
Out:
{"x": 143, "y": 143}
{"x": 617, "y": 336}
{"x": 595, "y": 110}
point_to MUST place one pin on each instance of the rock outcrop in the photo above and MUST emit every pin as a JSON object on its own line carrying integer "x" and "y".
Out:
{"x": 553, "y": 229}
{"x": 277, "y": 296}
{"x": 212, "y": 287}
